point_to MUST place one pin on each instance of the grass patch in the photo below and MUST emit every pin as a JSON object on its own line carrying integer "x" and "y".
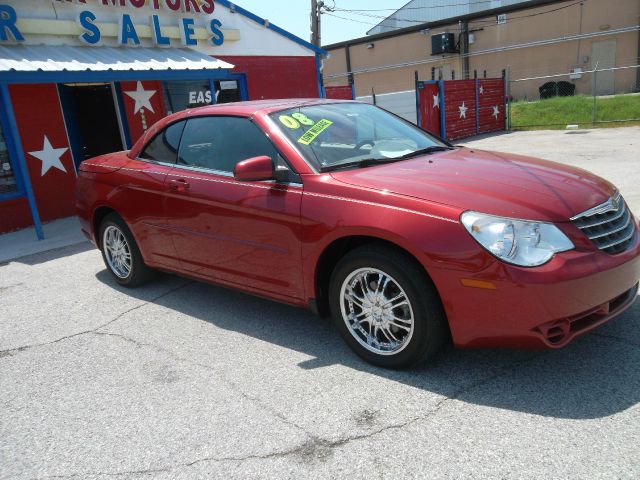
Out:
{"x": 559, "y": 112}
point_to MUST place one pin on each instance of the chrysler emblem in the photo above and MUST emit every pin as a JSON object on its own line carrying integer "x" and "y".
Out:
{"x": 615, "y": 203}
{"x": 611, "y": 205}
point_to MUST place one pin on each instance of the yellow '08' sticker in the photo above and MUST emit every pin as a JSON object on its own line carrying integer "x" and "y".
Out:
{"x": 314, "y": 131}
{"x": 289, "y": 122}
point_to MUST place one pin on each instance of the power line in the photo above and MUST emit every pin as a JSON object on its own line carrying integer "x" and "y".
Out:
{"x": 552, "y": 41}
{"x": 354, "y": 10}
{"x": 487, "y": 23}
{"x": 349, "y": 19}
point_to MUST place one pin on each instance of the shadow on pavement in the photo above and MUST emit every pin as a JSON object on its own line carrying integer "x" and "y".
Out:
{"x": 596, "y": 376}
{"x": 54, "y": 254}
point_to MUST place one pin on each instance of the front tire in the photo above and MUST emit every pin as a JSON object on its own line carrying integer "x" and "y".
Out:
{"x": 121, "y": 254}
{"x": 386, "y": 307}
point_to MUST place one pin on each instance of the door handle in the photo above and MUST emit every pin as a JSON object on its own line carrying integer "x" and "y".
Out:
{"x": 178, "y": 185}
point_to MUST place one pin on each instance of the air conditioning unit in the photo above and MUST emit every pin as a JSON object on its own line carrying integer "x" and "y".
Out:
{"x": 443, "y": 43}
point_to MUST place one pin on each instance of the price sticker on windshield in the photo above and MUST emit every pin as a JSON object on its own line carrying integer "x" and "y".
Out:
{"x": 314, "y": 131}
{"x": 295, "y": 120}
{"x": 289, "y": 122}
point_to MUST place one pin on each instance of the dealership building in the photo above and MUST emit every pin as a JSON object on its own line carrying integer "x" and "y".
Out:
{"x": 526, "y": 40}
{"x": 79, "y": 78}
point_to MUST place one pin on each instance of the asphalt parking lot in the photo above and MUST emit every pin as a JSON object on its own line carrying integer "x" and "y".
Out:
{"x": 181, "y": 379}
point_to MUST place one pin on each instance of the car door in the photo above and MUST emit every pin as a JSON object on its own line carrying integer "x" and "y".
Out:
{"x": 144, "y": 201}
{"x": 241, "y": 233}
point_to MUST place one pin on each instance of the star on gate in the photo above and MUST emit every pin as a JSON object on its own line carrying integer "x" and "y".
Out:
{"x": 463, "y": 110}
{"x": 481, "y": 89}
{"x": 496, "y": 112}
{"x": 436, "y": 100}
{"x": 50, "y": 157}
{"x": 142, "y": 98}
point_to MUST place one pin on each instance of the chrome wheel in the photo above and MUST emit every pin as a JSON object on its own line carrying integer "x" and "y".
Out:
{"x": 117, "y": 251}
{"x": 377, "y": 311}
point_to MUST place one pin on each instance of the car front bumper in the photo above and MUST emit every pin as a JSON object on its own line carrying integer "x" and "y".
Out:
{"x": 543, "y": 307}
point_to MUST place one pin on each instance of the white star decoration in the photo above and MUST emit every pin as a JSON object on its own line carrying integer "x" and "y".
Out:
{"x": 436, "y": 100}
{"x": 481, "y": 89}
{"x": 496, "y": 112}
{"x": 463, "y": 110}
{"x": 142, "y": 98}
{"x": 50, "y": 157}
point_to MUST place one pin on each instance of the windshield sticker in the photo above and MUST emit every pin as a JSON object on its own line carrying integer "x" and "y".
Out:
{"x": 289, "y": 122}
{"x": 314, "y": 131}
{"x": 303, "y": 119}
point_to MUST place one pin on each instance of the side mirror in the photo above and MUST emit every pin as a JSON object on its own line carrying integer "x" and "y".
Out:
{"x": 254, "y": 169}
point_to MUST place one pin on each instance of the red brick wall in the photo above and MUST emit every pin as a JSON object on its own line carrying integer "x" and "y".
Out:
{"x": 277, "y": 77}
{"x": 14, "y": 215}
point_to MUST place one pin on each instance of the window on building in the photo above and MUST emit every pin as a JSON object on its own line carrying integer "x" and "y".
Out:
{"x": 179, "y": 96}
{"x": 227, "y": 91}
{"x": 7, "y": 178}
{"x": 219, "y": 143}
{"x": 453, "y": 74}
{"x": 164, "y": 147}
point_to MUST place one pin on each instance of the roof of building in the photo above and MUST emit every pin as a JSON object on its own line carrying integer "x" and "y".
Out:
{"x": 443, "y": 22}
{"x": 66, "y": 58}
{"x": 422, "y": 11}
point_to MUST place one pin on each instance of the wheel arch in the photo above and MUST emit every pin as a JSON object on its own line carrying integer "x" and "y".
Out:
{"x": 99, "y": 214}
{"x": 337, "y": 249}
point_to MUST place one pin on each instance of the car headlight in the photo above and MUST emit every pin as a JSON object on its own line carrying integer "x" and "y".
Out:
{"x": 520, "y": 242}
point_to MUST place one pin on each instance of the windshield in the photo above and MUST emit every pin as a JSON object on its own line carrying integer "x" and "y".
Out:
{"x": 351, "y": 134}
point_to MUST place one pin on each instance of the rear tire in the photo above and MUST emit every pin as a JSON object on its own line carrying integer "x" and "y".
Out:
{"x": 386, "y": 307}
{"x": 121, "y": 254}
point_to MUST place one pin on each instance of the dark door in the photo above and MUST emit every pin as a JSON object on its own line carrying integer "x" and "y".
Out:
{"x": 242, "y": 233}
{"x": 91, "y": 119}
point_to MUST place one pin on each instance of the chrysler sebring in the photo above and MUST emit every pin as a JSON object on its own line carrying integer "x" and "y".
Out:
{"x": 348, "y": 210}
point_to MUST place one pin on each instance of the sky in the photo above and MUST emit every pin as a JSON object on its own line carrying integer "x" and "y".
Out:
{"x": 293, "y": 15}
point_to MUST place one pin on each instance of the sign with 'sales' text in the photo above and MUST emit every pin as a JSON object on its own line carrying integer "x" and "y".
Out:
{"x": 128, "y": 33}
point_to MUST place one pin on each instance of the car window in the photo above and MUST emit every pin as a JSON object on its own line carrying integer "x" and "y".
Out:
{"x": 330, "y": 134}
{"x": 219, "y": 143}
{"x": 164, "y": 146}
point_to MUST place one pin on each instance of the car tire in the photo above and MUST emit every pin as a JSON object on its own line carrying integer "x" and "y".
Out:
{"x": 403, "y": 310}
{"x": 121, "y": 254}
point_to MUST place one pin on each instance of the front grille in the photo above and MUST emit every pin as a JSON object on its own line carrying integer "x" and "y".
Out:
{"x": 609, "y": 226}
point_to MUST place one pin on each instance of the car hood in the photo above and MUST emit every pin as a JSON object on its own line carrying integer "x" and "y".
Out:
{"x": 489, "y": 182}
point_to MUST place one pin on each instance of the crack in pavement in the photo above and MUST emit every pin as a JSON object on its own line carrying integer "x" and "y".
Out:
{"x": 4, "y": 288}
{"x": 12, "y": 351}
{"x": 315, "y": 446}
{"x": 230, "y": 383}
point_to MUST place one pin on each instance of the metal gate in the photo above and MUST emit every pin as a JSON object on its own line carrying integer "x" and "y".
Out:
{"x": 454, "y": 109}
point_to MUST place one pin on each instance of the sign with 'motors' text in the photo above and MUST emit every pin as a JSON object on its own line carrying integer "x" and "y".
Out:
{"x": 191, "y": 21}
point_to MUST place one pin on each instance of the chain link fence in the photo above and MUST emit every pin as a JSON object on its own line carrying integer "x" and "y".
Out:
{"x": 576, "y": 99}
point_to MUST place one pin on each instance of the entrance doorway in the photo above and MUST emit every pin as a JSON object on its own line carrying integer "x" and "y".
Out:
{"x": 603, "y": 55}
{"x": 91, "y": 118}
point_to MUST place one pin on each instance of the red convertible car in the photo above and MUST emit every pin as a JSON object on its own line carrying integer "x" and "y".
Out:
{"x": 345, "y": 208}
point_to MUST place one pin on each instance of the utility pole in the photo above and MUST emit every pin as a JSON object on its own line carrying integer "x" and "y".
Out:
{"x": 316, "y": 29}
{"x": 464, "y": 48}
